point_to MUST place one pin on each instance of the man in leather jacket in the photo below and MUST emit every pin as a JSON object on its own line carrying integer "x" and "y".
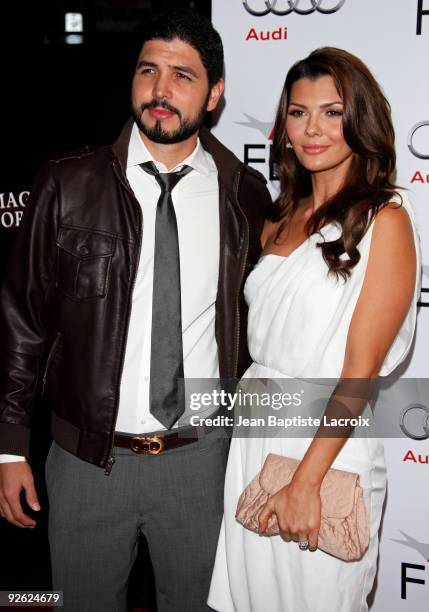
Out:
{"x": 75, "y": 322}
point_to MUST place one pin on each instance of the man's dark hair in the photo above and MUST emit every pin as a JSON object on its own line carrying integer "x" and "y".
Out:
{"x": 192, "y": 28}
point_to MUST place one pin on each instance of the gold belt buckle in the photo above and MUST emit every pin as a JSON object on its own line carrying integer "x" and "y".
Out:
{"x": 148, "y": 446}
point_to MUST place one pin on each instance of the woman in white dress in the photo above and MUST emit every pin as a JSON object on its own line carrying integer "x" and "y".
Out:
{"x": 333, "y": 296}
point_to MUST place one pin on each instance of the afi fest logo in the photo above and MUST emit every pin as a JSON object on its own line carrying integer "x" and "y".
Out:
{"x": 286, "y": 7}
{"x": 250, "y": 150}
{"x": 422, "y": 548}
{"x": 421, "y": 12}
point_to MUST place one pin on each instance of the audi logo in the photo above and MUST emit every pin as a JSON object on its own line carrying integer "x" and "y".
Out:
{"x": 411, "y": 146}
{"x": 294, "y": 6}
{"x": 414, "y": 422}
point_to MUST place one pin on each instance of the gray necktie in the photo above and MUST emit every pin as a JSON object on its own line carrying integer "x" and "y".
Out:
{"x": 167, "y": 394}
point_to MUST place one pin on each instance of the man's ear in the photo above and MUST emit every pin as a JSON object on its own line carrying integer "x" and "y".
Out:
{"x": 215, "y": 94}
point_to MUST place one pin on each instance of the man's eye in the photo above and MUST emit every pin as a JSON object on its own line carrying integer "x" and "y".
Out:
{"x": 147, "y": 71}
{"x": 182, "y": 75}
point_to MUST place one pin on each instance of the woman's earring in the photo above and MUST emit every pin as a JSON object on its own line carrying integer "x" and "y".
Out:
{"x": 289, "y": 145}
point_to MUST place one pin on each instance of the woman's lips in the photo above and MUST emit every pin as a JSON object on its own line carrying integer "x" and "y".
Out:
{"x": 315, "y": 149}
{"x": 160, "y": 113}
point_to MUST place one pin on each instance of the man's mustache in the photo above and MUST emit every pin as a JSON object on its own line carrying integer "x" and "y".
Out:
{"x": 161, "y": 104}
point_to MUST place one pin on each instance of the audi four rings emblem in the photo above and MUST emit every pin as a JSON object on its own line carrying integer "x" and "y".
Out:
{"x": 415, "y": 422}
{"x": 292, "y": 6}
{"x": 411, "y": 146}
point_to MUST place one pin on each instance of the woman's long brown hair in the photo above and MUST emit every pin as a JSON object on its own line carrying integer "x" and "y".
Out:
{"x": 368, "y": 130}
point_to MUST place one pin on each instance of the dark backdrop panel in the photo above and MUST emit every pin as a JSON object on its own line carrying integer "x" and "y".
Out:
{"x": 57, "y": 98}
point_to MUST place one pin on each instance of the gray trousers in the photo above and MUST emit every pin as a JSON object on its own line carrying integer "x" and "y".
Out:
{"x": 175, "y": 499}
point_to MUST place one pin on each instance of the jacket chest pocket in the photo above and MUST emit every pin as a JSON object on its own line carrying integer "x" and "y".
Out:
{"x": 83, "y": 263}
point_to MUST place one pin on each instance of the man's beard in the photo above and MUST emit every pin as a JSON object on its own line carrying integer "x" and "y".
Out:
{"x": 186, "y": 129}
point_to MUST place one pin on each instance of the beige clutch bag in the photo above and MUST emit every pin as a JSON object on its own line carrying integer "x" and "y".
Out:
{"x": 344, "y": 530}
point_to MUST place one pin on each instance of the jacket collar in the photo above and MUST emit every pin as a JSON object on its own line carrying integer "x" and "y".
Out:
{"x": 226, "y": 162}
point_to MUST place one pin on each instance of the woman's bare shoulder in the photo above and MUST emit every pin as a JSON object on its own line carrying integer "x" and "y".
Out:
{"x": 393, "y": 223}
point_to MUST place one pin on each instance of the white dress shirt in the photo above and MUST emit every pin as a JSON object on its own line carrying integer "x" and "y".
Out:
{"x": 196, "y": 204}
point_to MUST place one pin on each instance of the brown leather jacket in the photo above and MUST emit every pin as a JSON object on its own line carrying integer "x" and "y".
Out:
{"x": 66, "y": 297}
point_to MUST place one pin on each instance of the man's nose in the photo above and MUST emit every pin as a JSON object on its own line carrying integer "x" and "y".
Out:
{"x": 162, "y": 87}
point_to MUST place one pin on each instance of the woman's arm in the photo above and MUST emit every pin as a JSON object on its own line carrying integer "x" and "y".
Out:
{"x": 384, "y": 300}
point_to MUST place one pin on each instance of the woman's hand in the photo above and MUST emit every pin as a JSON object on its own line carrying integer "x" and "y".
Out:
{"x": 298, "y": 510}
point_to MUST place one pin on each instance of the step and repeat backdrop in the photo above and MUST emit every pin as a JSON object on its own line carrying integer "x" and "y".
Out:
{"x": 262, "y": 39}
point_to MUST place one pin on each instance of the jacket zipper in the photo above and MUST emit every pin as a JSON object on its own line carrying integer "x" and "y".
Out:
{"x": 48, "y": 361}
{"x": 237, "y": 334}
{"x": 111, "y": 459}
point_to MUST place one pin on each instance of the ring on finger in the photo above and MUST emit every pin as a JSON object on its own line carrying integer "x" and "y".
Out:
{"x": 303, "y": 544}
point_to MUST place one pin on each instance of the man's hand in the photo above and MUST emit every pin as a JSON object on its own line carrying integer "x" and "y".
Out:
{"x": 15, "y": 477}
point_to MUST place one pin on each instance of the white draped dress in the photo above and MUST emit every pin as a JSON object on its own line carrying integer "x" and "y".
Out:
{"x": 298, "y": 323}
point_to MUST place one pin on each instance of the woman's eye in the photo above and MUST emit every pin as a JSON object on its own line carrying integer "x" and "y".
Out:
{"x": 335, "y": 113}
{"x": 295, "y": 113}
